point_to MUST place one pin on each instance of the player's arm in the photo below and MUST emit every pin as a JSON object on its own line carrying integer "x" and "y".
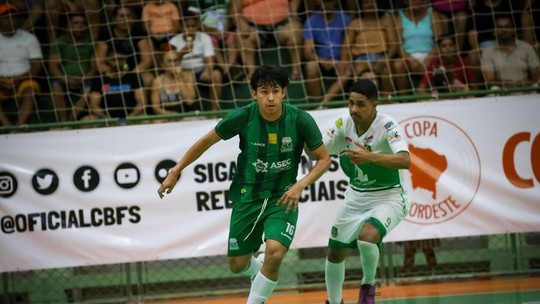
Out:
{"x": 399, "y": 160}
{"x": 322, "y": 163}
{"x": 194, "y": 152}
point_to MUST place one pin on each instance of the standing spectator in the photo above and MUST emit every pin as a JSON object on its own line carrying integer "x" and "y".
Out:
{"x": 457, "y": 11}
{"x": 418, "y": 27}
{"x": 56, "y": 10}
{"x": 258, "y": 20}
{"x": 265, "y": 192}
{"x": 215, "y": 22}
{"x": 510, "y": 62}
{"x": 70, "y": 65}
{"x": 162, "y": 21}
{"x": 323, "y": 36}
{"x": 20, "y": 63}
{"x": 371, "y": 43}
{"x": 117, "y": 93}
{"x": 530, "y": 24}
{"x": 447, "y": 72}
{"x": 173, "y": 91}
{"x": 123, "y": 36}
{"x": 198, "y": 56}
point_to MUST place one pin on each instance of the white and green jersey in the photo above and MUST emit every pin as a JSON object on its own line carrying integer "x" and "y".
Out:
{"x": 270, "y": 151}
{"x": 383, "y": 136}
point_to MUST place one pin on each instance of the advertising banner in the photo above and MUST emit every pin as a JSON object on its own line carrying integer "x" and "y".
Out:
{"x": 89, "y": 196}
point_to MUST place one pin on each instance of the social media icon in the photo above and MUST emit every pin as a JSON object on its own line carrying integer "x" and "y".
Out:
{"x": 45, "y": 181}
{"x": 86, "y": 178}
{"x": 163, "y": 168}
{"x": 8, "y": 184}
{"x": 127, "y": 175}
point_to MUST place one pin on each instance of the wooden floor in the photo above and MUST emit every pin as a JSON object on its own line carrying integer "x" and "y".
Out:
{"x": 507, "y": 291}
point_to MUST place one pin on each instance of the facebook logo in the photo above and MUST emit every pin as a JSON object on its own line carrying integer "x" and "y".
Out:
{"x": 86, "y": 178}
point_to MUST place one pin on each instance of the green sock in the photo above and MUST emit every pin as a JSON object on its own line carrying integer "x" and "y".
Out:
{"x": 334, "y": 275}
{"x": 369, "y": 258}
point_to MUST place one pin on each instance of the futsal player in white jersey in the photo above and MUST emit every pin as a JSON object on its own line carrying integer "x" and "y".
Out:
{"x": 373, "y": 154}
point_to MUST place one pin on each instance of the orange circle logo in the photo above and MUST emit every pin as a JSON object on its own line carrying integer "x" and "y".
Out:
{"x": 445, "y": 169}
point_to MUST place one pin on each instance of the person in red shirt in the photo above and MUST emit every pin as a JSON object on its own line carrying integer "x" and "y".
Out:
{"x": 447, "y": 72}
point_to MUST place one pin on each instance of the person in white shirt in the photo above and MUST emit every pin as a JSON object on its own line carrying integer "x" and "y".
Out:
{"x": 198, "y": 55}
{"x": 20, "y": 63}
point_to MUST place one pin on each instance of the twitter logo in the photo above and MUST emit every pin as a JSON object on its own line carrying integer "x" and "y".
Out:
{"x": 45, "y": 181}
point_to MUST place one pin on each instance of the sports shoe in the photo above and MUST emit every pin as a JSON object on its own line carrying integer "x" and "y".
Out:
{"x": 328, "y": 302}
{"x": 367, "y": 294}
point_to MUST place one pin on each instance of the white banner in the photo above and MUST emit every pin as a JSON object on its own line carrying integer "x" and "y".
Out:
{"x": 86, "y": 197}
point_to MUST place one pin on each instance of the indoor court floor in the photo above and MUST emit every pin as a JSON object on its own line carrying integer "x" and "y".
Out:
{"x": 493, "y": 291}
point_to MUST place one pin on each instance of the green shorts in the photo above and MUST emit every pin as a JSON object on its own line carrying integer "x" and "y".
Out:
{"x": 251, "y": 220}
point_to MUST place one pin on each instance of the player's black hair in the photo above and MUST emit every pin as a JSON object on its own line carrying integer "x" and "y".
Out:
{"x": 448, "y": 36}
{"x": 367, "y": 88}
{"x": 269, "y": 75}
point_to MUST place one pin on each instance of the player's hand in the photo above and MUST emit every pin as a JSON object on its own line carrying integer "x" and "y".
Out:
{"x": 358, "y": 156}
{"x": 168, "y": 184}
{"x": 291, "y": 198}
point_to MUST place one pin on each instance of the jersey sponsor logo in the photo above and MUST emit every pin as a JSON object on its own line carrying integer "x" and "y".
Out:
{"x": 444, "y": 182}
{"x": 258, "y": 144}
{"x": 389, "y": 125}
{"x": 263, "y": 167}
{"x": 393, "y": 136}
{"x": 233, "y": 244}
{"x": 272, "y": 138}
{"x": 334, "y": 231}
{"x": 339, "y": 123}
{"x": 286, "y": 144}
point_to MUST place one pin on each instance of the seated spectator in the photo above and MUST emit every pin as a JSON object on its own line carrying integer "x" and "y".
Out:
{"x": 198, "y": 56}
{"x": 418, "y": 27}
{"x": 371, "y": 42}
{"x": 173, "y": 90}
{"x": 509, "y": 62}
{"x": 70, "y": 66}
{"x": 162, "y": 21}
{"x": 20, "y": 63}
{"x": 447, "y": 72}
{"x": 125, "y": 37}
{"x": 323, "y": 36}
{"x": 259, "y": 20}
{"x": 117, "y": 93}
{"x": 457, "y": 11}
{"x": 215, "y": 22}
{"x": 481, "y": 25}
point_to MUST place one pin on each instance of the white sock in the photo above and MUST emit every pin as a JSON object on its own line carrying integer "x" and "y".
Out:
{"x": 261, "y": 289}
{"x": 369, "y": 258}
{"x": 254, "y": 266}
{"x": 334, "y": 276}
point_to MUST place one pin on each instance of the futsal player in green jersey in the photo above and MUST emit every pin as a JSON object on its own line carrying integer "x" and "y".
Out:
{"x": 373, "y": 154}
{"x": 265, "y": 190}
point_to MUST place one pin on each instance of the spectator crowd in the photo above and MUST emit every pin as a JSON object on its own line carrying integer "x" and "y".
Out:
{"x": 95, "y": 59}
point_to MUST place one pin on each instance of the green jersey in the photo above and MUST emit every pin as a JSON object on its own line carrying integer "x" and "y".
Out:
{"x": 270, "y": 151}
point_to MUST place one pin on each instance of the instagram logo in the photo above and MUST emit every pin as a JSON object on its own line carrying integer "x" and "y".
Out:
{"x": 8, "y": 184}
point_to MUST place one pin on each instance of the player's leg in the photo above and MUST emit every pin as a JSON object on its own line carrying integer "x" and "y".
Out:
{"x": 334, "y": 274}
{"x": 279, "y": 229}
{"x": 343, "y": 236}
{"x": 388, "y": 211}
